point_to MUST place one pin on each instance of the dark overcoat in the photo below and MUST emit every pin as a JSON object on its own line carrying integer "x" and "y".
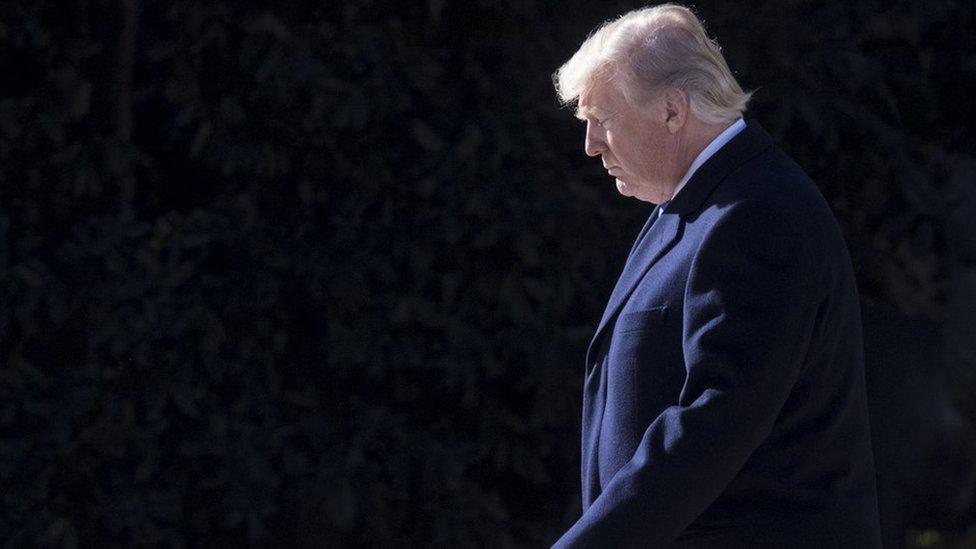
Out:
{"x": 724, "y": 402}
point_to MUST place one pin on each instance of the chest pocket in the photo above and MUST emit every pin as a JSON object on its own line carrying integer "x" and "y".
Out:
{"x": 642, "y": 320}
{"x": 639, "y": 339}
{"x": 645, "y": 366}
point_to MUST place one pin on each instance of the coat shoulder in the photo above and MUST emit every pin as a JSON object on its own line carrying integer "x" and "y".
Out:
{"x": 772, "y": 183}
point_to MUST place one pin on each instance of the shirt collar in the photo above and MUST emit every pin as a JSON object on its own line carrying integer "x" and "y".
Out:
{"x": 713, "y": 147}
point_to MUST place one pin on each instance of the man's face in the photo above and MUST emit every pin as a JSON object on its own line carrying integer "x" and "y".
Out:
{"x": 635, "y": 145}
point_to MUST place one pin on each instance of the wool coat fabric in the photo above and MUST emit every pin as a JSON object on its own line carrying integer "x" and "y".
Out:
{"x": 724, "y": 400}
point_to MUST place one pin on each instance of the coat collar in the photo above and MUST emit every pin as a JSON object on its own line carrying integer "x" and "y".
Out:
{"x": 658, "y": 235}
{"x": 743, "y": 147}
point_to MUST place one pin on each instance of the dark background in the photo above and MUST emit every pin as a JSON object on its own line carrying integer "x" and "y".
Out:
{"x": 324, "y": 273}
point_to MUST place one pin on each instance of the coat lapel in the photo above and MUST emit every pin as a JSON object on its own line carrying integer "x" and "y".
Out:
{"x": 655, "y": 240}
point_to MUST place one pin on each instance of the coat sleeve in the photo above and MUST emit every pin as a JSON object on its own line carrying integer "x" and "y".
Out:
{"x": 748, "y": 317}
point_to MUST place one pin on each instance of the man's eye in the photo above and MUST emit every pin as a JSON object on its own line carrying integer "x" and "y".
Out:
{"x": 602, "y": 122}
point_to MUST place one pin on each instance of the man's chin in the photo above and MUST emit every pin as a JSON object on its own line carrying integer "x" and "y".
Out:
{"x": 624, "y": 189}
{"x": 634, "y": 192}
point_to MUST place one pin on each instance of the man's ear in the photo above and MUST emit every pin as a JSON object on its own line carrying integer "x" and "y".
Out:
{"x": 676, "y": 109}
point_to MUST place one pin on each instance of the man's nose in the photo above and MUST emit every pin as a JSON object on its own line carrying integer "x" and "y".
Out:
{"x": 594, "y": 144}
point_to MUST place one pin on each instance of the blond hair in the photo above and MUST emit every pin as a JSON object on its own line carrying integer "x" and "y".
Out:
{"x": 646, "y": 51}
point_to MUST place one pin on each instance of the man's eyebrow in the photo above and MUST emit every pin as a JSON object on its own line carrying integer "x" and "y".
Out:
{"x": 583, "y": 112}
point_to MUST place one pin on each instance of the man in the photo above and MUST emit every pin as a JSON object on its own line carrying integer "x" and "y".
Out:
{"x": 724, "y": 398}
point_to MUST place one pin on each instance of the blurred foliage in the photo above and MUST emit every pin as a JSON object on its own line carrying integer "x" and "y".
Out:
{"x": 335, "y": 283}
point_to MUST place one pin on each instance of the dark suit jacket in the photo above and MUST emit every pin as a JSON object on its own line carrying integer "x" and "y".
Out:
{"x": 724, "y": 400}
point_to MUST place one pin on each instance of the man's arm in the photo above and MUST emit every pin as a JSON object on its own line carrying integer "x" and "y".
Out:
{"x": 748, "y": 315}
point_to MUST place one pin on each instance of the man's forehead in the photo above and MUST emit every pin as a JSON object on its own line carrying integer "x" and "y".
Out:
{"x": 593, "y": 100}
{"x": 586, "y": 107}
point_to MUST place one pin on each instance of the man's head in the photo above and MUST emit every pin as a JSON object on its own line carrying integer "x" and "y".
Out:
{"x": 653, "y": 90}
